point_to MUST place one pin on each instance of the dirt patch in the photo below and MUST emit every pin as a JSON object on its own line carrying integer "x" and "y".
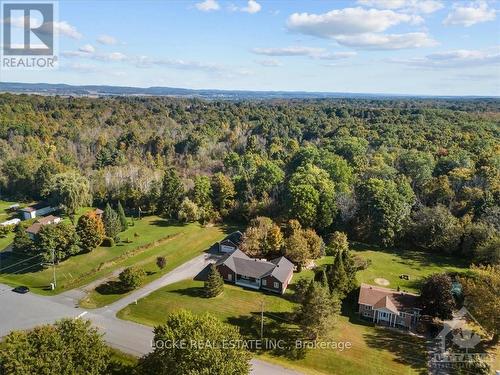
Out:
{"x": 381, "y": 281}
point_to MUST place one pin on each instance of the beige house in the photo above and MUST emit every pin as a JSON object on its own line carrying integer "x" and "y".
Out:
{"x": 33, "y": 229}
{"x": 388, "y": 307}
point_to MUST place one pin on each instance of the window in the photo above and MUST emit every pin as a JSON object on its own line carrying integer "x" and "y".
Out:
{"x": 276, "y": 285}
{"x": 264, "y": 282}
{"x": 230, "y": 277}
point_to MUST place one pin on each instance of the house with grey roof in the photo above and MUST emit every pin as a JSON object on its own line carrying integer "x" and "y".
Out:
{"x": 388, "y": 307}
{"x": 231, "y": 242}
{"x": 240, "y": 269}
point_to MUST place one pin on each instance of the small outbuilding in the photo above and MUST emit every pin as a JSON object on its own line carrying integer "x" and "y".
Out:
{"x": 231, "y": 242}
{"x": 36, "y": 210}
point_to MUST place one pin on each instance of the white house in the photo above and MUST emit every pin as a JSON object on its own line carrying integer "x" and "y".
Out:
{"x": 388, "y": 307}
{"x": 10, "y": 222}
{"x": 36, "y": 210}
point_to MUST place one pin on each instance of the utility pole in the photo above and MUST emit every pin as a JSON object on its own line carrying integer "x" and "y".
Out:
{"x": 262, "y": 319}
{"x": 54, "y": 266}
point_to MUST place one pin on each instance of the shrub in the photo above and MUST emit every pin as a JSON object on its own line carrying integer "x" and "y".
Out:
{"x": 131, "y": 277}
{"x": 108, "y": 242}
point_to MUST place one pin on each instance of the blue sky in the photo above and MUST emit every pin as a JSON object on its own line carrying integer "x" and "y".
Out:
{"x": 435, "y": 47}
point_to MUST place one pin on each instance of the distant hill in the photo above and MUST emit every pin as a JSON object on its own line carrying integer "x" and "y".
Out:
{"x": 98, "y": 90}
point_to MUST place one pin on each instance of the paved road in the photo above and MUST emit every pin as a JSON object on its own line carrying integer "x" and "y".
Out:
{"x": 28, "y": 310}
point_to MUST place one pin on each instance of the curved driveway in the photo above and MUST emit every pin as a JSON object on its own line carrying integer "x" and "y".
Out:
{"x": 28, "y": 310}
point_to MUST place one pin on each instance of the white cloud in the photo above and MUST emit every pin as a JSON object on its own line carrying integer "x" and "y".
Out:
{"x": 413, "y": 6}
{"x": 387, "y": 41}
{"x": 455, "y": 59}
{"x": 147, "y": 62}
{"x": 85, "y": 53}
{"x": 64, "y": 28}
{"x": 113, "y": 56}
{"x": 337, "y": 55}
{"x": 348, "y": 21}
{"x": 87, "y": 48}
{"x": 252, "y": 7}
{"x": 107, "y": 40}
{"x": 207, "y": 5}
{"x": 470, "y": 14}
{"x": 312, "y": 52}
{"x": 289, "y": 51}
{"x": 269, "y": 63}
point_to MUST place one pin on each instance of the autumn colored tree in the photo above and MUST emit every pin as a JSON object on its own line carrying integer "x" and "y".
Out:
{"x": 90, "y": 230}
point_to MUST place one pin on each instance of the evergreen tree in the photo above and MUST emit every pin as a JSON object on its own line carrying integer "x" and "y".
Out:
{"x": 214, "y": 284}
{"x": 321, "y": 277}
{"x": 172, "y": 192}
{"x": 318, "y": 310}
{"x": 342, "y": 274}
{"x": 121, "y": 216}
{"x": 111, "y": 221}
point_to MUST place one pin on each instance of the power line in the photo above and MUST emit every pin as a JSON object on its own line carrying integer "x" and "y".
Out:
{"x": 21, "y": 261}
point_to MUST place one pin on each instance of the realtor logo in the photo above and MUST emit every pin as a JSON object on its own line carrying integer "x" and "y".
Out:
{"x": 28, "y": 40}
{"x": 456, "y": 332}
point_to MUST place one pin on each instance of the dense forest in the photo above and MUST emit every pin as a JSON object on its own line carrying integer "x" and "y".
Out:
{"x": 419, "y": 173}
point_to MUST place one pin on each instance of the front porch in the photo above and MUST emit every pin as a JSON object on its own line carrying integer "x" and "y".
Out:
{"x": 247, "y": 282}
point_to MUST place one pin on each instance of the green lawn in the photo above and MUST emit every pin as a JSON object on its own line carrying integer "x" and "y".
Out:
{"x": 374, "y": 350}
{"x": 189, "y": 242}
{"x": 84, "y": 268}
{"x": 390, "y": 264}
{"x": 4, "y": 215}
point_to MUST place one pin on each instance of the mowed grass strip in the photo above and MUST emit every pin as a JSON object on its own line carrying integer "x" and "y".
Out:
{"x": 374, "y": 350}
{"x": 188, "y": 294}
{"x": 82, "y": 269}
{"x": 390, "y": 264}
{"x": 4, "y": 216}
{"x": 192, "y": 241}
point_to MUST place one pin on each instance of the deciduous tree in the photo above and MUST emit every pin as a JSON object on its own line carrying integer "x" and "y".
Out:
{"x": 70, "y": 346}
{"x": 217, "y": 358}
{"x": 436, "y": 297}
{"x": 90, "y": 230}
{"x": 131, "y": 277}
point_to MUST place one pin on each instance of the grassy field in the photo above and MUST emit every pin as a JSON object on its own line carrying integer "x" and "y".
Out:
{"x": 374, "y": 350}
{"x": 4, "y": 215}
{"x": 84, "y": 268}
{"x": 390, "y": 264}
{"x": 189, "y": 242}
